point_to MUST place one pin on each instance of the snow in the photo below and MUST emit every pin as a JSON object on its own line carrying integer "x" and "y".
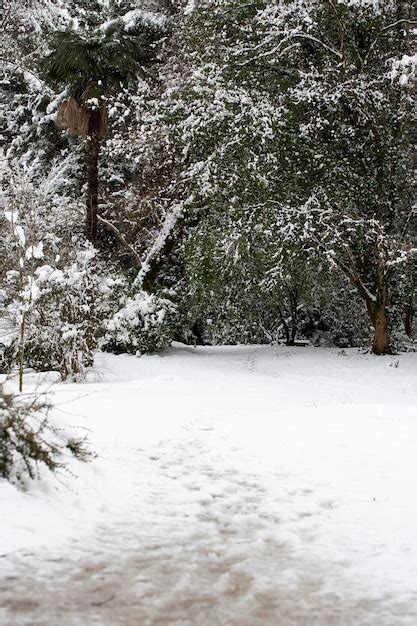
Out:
{"x": 233, "y": 486}
{"x": 35, "y": 251}
{"x": 404, "y": 69}
{"x": 135, "y": 18}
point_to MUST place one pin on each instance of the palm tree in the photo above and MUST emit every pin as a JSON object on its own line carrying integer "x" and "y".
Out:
{"x": 91, "y": 67}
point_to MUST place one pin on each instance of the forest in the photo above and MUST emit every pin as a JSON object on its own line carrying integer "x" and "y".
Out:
{"x": 208, "y": 244}
{"x": 212, "y": 174}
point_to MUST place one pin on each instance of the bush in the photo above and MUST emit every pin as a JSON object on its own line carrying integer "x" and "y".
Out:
{"x": 145, "y": 324}
{"x": 61, "y": 334}
{"x": 29, "y": 441}
{"x": 64, "y": 305}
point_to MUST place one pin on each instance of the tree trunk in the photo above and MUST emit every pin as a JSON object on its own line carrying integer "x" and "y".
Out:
{"x": 285, "y": 327}
{"x": 379, "y": 308}
{"x": 408, "y": 318}
{"x": 294, "y": 314}
{"x": 381, "y": 341}
{"x": 93, "y": 151}
{"x": 378, "y": 313}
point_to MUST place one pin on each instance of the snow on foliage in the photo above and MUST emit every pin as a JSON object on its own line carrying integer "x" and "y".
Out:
{"x": 30, "y": 443}
{"x": 260, "y": 171}
{"x": 144, "y": 324}
{"x": 289, "y": 107}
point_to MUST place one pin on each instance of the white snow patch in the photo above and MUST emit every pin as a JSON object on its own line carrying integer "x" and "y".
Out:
{"x": 238, "y": 486}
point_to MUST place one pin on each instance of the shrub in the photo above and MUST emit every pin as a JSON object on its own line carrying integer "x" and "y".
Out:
{"x": 29, "y": 441}
{"x": 61, "y": 334}
{"x": 145, "y": 324}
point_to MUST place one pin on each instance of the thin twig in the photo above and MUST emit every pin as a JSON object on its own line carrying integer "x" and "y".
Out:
{"x": 121, "y": 239}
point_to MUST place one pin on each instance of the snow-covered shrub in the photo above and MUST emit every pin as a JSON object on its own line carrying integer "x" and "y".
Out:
{"x": 47, "y": 287}
{"x": 57, "y": 291}
{"x": 144, "y": 324}
{"x": 29, "y": 441}
{"x": 62, "y": 330}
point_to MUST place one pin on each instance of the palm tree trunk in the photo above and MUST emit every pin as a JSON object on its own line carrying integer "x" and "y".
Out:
{"x": 93, "y": 151}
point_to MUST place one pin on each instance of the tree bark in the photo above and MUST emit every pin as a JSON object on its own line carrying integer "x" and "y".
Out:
{"x": 408, "y": 318}
{"x": 381, "y": 341}
{"x": 294, "y": 315}
{"x": 378, "y": 313}
{"x": 92, "y": 156}
{"x": 285, "y": 327}
{"x": 379, "y": 308}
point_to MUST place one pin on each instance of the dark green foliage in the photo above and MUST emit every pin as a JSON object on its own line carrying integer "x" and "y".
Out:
{"x": 298, "y": 140}
{"x": 276, "y": 138}
{"x": 97, "y": 64}
{"x": 29, "y": 441}
{"x": 8, "y": 356}
{"x": 20, "y": 443}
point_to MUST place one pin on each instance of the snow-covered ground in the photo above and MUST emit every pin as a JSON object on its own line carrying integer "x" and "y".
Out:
{"x": 244, "y": 486}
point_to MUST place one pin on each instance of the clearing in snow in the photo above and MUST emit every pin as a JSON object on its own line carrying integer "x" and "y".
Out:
{"x": 241, "y": 486}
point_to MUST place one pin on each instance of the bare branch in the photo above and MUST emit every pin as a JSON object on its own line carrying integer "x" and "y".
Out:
{"x": 121, "y": 239}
